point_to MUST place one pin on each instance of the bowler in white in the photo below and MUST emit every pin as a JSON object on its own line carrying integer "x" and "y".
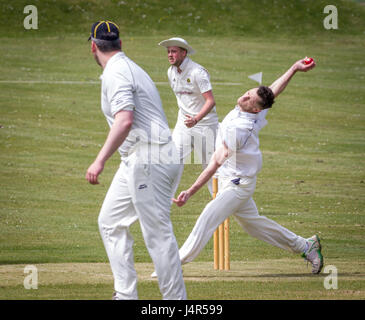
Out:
{"x": 238, "y": 160}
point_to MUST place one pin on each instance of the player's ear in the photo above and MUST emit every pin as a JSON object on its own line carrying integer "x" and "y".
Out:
{"x": 93, "y": 46}
{"x": 256, "y": 109}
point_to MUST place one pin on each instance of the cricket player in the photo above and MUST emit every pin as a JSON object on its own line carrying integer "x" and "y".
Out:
{"x": 238, "y": 160}
{"x": 141, "y": 190}
{"x": 197, "y": 120}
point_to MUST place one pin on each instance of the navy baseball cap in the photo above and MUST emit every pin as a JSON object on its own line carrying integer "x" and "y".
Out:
{"x": 104, "y": 30}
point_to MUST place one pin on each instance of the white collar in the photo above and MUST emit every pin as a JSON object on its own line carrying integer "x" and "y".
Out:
{"x": 112, "y": 59}
{"x": 244, "y": 114}
{"x": 183, "y": 65}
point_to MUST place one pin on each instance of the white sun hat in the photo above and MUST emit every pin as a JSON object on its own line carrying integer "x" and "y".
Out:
{"x": 177, "y": 42}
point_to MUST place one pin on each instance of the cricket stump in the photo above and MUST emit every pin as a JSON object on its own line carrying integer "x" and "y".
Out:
{"x": 221, "y": 239}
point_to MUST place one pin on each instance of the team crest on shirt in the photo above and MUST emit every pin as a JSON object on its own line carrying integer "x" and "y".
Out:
{"x": 188, "y": 80}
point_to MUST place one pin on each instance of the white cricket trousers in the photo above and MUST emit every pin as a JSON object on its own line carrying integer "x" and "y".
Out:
{"x": 201, "y": 139}
{"x": 237, "y": 200}
{"x": 142, "y": 191}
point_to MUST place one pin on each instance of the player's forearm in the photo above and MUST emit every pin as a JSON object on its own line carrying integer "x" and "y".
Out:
{"x": 117, "y": 134}
{"x": 207, "y": 107}
{"x": 204, "y": 177}
{"x": 280, "y": 84}
{"x": 218, "y": 158}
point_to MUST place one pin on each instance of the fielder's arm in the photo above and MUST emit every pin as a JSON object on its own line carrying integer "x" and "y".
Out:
{"x": 123, "y": 121}
{"x": 218, "y": 158}
{"x": 207, "y": 107}
{"x": 280, "y": 84}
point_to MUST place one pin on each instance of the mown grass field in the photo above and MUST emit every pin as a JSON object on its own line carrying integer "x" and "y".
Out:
{"x": 51, "y": 128}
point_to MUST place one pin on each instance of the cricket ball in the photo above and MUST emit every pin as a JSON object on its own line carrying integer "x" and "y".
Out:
{"x": 308, "y": 60}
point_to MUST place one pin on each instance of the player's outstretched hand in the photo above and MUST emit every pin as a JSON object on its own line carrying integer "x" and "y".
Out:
{"x": 305, "y": 64}
{"x": 181, "y": 199}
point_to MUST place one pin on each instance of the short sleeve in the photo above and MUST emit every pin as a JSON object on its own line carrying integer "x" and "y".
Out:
{"x": 119, "y": 93}
{"x": 202, "y": 80}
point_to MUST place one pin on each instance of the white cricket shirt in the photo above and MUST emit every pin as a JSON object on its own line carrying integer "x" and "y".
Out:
{"x": 188, "y": 87}
{"x": 239, "y": 130}
{"x": 126, "y": 86}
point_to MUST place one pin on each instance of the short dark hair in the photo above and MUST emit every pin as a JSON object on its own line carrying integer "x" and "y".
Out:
{"x": 107, "y": 45}
{"x": 267, "y": 97}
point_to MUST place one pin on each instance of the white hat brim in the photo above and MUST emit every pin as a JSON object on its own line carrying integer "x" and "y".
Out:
{"x": 177, "y": 43}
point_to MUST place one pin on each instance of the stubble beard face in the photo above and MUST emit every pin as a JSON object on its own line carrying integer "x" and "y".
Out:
{"x": 174, "y": 62}
{"x": 177, "y": 61}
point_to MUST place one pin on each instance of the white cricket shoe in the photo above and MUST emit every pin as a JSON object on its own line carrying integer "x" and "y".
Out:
{"x": 314, "y": 254}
